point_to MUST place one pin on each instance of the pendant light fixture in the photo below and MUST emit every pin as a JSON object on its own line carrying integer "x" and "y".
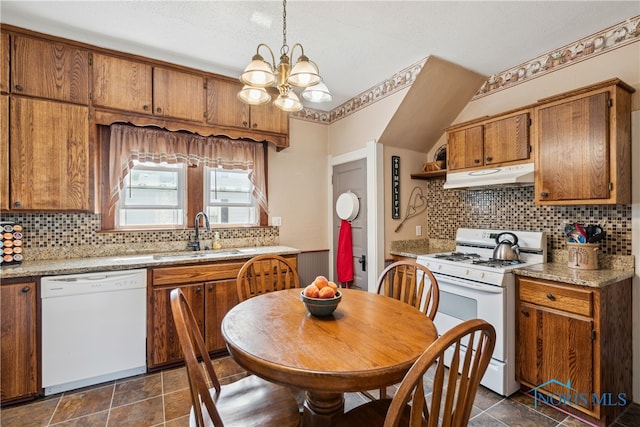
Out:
{"x": 261, "y": 74}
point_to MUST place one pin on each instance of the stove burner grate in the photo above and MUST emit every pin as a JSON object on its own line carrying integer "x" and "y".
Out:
{"x": 492, "y": 262}
{"x": 457, "y": 256}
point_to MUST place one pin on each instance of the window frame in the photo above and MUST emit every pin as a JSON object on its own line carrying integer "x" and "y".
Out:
{"x": 194, "y": 193}
{"x": 207, "y": 204}
{"x": 181, "y": 189}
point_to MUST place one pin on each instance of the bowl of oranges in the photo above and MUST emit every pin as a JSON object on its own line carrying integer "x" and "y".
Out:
{"x": 321, "y": 297}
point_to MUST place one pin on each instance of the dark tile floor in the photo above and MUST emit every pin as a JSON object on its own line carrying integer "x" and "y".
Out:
{"x": 162, "y": 400}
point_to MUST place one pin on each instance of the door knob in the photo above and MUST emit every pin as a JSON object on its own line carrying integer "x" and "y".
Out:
{"x": 363, "y": 262}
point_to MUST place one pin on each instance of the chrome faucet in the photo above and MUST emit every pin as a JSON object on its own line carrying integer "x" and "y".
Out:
{"x": 195, "y": 245}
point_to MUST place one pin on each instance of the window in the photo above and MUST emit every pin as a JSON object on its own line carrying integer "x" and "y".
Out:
{"x": 229, "y": 197}
{"x": 153, "y": 195}
{"x": 153, "y": 178}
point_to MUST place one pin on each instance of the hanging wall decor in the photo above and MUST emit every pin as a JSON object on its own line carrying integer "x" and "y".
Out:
{"x": 395, "y": 187}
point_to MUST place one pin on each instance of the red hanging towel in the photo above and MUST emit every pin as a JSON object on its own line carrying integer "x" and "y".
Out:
{"x": 344, "y": 257}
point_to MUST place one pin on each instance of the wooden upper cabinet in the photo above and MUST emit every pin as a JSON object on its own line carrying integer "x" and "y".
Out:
{"x": 49, "y": 70}
{"x": 506, "y": 140}
{"x": 225, "y": 109}
{"x": 178, "y": 94}
{"x": 49, "y": 155}
{"x": 4, "y": 152}
{"x": 122, "y": 84}
{"x": 4, "y": 62}
{"x": 584, "y": 148}
{"x": 465, "y": 148}
{"x": 223, "y": 106}
{"x": 269, "y": 118}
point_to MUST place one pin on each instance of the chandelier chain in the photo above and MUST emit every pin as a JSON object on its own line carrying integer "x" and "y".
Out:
{"x": 285, "y": 48}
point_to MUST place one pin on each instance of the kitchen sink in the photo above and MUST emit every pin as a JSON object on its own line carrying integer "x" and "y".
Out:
{"x": 199, "y": 255}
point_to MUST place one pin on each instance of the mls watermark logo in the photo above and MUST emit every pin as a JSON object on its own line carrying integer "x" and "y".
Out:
{"x": 572, "y": 396}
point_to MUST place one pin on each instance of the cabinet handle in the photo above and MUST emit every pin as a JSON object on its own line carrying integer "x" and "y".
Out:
{"x": 26, "y": 289}
{"x": 551, "y": 297}
{"x": 489, "y": 159}
{"x": 158, "y": 110}
{"x": 525, "y": 312}
{"x": 210, "y": 287}
{"x": 198, "y": 289}
{"x": 17, "y": 204}
{"x": 245, "y": 123}
{"x": 476, "y": 161}
{"x": 255, "y": 125}
{"x": 544, "y": 194}
{"x": 18, "y": 87}
{"x": 145, "y": 107}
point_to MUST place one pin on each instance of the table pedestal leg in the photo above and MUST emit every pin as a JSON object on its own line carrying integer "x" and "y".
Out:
{"x": 321, "y": 408}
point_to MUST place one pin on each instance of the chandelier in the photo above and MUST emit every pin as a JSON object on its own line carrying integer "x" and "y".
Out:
{"x": 261, "y": 74}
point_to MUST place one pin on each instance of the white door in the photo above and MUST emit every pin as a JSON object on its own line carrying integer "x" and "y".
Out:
{"x": 352, "y": 176}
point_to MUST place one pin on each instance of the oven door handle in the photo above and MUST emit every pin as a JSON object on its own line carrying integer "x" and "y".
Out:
{"x": 469, "y": 284}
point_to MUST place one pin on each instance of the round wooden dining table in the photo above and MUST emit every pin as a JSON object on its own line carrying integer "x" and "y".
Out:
{"x": 369, "y": 341}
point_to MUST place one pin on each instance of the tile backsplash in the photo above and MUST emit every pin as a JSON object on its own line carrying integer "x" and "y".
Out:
{"x": 514, "y": 209}
{"x": 77, "y": 235}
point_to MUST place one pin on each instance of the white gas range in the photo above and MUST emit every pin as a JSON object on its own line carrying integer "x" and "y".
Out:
{"x": 474, "y": 285}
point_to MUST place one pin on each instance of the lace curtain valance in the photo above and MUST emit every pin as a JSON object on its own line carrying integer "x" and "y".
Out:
{"x": 129, "y": 143}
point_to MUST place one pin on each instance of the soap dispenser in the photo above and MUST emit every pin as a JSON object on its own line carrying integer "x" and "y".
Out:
{"x": 216, "y": 241}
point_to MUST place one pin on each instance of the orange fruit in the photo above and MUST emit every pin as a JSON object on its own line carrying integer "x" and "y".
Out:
{"x": 321, "y": 282}
{"x": 327, "y": 292}
{"x": 312, "y": 291}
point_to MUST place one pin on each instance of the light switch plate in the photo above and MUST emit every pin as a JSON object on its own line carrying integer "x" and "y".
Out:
{"x": 418, "y": 230}
{"x": 276, "y": 221}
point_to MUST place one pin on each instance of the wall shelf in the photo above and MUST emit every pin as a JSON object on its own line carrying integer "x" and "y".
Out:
{"x": 429, "y": 175}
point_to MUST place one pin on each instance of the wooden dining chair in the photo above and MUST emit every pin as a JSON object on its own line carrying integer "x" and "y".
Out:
{"x": 266, "y": 273}
{"x": 413, "y": 284}
{"x": 250, "y": 401}
{"x": 453, "y": 389}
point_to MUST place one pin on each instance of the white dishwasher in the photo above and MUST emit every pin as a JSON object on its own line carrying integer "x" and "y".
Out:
{"x": 93, "y": 328}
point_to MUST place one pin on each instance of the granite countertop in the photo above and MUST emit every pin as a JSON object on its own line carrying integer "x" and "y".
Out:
{"x": 414, "y": 248}
{"x": 126, "y": 262}
{"x": 560, "y": 272}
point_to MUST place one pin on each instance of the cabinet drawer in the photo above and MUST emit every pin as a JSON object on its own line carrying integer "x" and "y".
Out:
{"x": 578, "y": 301}
{"x": 195, "y": 273}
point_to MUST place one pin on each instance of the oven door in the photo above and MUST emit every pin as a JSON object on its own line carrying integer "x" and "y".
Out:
{"x": 461, "y": 300}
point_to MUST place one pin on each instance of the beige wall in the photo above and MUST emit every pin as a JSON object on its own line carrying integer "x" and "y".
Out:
{"x": 410, "y": 162}
{"x": 298, "y": 186}
{"x": 354, "y": 131}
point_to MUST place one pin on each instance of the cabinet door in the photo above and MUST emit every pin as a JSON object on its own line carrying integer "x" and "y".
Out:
{"x": 574, "y": 150}
{"x": 506, "y": 140}
{"x": 4, "y": 152}
{"x": 163, "y": 345}
{"x": 49, "y": 70}
{"x": 223, "y": 106}
{"x": 49, "y": 155}
{"x": 221, "y": 297}
{"x": 177, "y": 94}
{"x": 555, "y": 348}
{"x": 122, "y": 84}
{"x": 465, "y": 148}
{"x": 18, "y": 345}
{"x": 269, "y": 118}
{"x": 4, "y": 62}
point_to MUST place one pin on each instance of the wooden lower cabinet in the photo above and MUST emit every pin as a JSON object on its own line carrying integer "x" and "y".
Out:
{"x": 19, "y": 344}
{"x": 574, "y": 343}
{"x": 211, "y": 292}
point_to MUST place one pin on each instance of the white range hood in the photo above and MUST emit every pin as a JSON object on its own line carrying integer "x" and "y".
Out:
{"x": 518, "y": 175}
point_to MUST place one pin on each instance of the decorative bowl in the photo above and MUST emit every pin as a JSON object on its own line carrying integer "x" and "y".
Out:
{"x": 321, "y": 307}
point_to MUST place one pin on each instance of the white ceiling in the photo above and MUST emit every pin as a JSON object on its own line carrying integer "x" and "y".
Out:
{"x": 356, "y": 44}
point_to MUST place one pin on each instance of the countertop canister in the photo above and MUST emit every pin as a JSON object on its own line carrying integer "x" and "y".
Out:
{"x": 583, "y": 256}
